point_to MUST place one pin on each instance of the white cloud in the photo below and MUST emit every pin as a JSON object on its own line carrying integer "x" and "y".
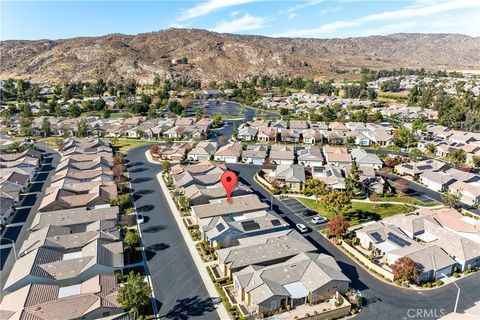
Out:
{"x": 206, "y": 8}
{"x": 234, "y": 13}
{"x": 245, "y": 23}
{"x": 419, "y": 10}
{"x": 292, "y": 15}
{"x": 303, "y": 5}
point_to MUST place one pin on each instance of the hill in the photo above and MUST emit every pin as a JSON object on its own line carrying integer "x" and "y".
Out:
{"x": 218, "y": 57}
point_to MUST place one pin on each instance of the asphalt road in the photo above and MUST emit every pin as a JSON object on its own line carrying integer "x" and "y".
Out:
{"x": 17, "y": 230}
{"x": 178, "y": 287}
{"x": 382, "y": 300}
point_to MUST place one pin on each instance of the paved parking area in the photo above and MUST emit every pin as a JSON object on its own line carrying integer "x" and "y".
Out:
{"x": 298, "y": 208}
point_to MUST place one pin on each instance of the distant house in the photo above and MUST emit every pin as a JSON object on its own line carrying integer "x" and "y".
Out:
{"x": 470, "y": 194}
{"x": 247, "y": 133}
{"x": 331, "y": 175}
{"x": 310, "y": 156}
{"x": 380, "y": 137}
{"x": 437, "y": 181}
{"x": 255, "y": 154}
{"x": 267, "y": 134}
{"x": 337, "y": 156}
{"x": 298, "y": 125}
{"x": 290, "y": 135}
{"x": 279, "y": 125}
{"x": 415, "y": 169}
{"x": 281, "y": 154}
{"x": 365, "y": 159}
{"x": 290, "y": 175}
{"x": 312, "y": 136}
{"x": 204, "y": 150}
{"x": 229, "y": 153}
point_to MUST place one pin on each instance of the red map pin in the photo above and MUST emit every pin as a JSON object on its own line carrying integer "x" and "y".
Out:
{"x": 229, "y": 181}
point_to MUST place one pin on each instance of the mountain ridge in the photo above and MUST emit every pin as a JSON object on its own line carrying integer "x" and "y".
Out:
{"x": 219, "y": 57}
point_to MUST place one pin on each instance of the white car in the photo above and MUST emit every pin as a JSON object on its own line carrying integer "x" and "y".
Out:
{"x": 140, "y": 218}
{"x": 319, "y": 220}
{"x": 301, "y": 228}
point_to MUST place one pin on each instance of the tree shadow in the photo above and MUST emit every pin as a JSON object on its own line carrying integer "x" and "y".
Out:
{"x": 141, "y": 180}
{"x": 138, "y": 169}
{"x": 153, "y": 229}
{"x": 144, "y": 192}
{"x": 145, "y": 208}
{"x": 134, "y": 164}
{"x": 152, "y": 250}
{"x": 363, "y": 216}
{"x": 190, "y": 307}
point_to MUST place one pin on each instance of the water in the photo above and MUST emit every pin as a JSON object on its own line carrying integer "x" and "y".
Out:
{"x": 225, "y": 109}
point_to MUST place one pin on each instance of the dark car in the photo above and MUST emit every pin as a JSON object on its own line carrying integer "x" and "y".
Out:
{"x": 308, "y": 213}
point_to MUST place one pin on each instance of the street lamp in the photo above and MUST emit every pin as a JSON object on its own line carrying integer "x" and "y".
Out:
{"x": 13, "y": 245}
{"x": 458, "y": 294}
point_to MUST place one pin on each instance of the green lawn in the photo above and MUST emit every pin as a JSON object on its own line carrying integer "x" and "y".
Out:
{"x": 360, "y": 212}
{"x": 123, "y": 145}
{"x": 408, "y": 200}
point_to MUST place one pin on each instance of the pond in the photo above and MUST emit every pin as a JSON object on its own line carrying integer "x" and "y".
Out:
{"x": 226, "y": 109}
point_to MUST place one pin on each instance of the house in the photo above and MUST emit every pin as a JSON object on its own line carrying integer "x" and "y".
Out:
{"x": 338, "y": 126}
{"x": 229, "y": 153}
{"x": 290, "y": 135}
{"x": 365, "y": 159}
{"x": 281, "y": 154}
{"x": 312, "y": 136}
{"x": 298, "y": 125}
{"x": 76, "y": 195}
{"x": 334, "y": 137}
{"x": 279, "y": 125}
{"x": 304, "y": 278}
{"x": 201, "y": 194}
{"x": 310, "y": 156}
{"x": 424, "y": 227}
{"x": 290, "y": 175}
{"x": 247, "y": 133}
{"x": 204, "y": 173}
{"x": 267, "y": 134}
{"x": 437, "y": 181}
{"x": 380, "y": 137}
{"x": 76, "y": 218}
{"x": 94, "y": 298}
{"x": 66, "y": 263}
{"x": 255, "y": 154}
{"x": 221, "y": 207}
{"x": 331, "y": 175}
{"x": 470, "y": 194}
{"x": 414, "y": 169}
{"x": 337, "y": 156}
{"x": 227, "y": 230}
{"x": 177, "y": 152}
{"x": 387, "y": 240}
{"x": 204, "y": 150}
{"x": 276, "y": 248}
{"x": 360, "y": 139}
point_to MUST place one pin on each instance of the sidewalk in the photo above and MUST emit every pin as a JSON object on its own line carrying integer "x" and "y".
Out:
{"x": 201, "y": 267}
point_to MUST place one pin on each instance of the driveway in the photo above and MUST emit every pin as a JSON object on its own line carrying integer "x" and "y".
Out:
{"x": 177, "y": 284}
{"x": 382, "y": 300}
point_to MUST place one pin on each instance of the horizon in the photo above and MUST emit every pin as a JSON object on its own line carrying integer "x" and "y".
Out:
{"x": 310, "y": 19}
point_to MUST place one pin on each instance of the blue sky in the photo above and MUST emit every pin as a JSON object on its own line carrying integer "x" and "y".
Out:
{"x": 306, "y": 18}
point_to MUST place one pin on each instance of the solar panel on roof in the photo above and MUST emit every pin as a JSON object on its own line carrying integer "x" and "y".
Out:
{"x": 408, "y": 166}
{"x": 397, "y": 240}
{"x": 250, "y": 225}
{"x": 377, "y": 236}
{"x": 220, "y": 227}
{"x": 276, "y": 222}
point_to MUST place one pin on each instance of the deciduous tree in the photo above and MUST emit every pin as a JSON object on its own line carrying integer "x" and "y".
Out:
{"x": 451, "y": 198}
{"x": 405, "y": 269}
{"x": 337, "y": 226}
{"x": 134, "y": 294}
{"x": 337, "y": 202}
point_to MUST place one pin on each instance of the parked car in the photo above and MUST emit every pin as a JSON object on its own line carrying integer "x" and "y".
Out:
{"x": 140, "y": 218}
{"x": 301, "y": 228}
{"x": 308, "y": 213}
{"x": 319, "y": 220}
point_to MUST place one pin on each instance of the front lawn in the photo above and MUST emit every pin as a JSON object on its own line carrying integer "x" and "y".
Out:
{"x": 408, "y": 200}
{"x": 124, "y": 145}
{"x": 360, "y": 212}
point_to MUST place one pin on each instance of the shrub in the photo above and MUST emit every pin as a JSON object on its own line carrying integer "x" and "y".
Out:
{"x": 438, "y": 282}
{"x": 427, "y": 285}
{"x": 456, "y": 275}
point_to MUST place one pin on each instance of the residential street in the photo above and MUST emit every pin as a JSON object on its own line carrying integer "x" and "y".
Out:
{"x": 177, "y": 284}
{"x": 17, "y": 229}
{"x": 383, "y": 301}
